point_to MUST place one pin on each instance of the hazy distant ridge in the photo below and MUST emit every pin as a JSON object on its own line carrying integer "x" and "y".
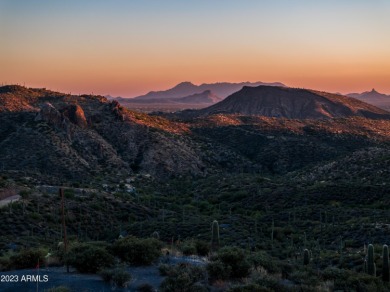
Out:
{"x": 183, "y": 89}
{"x": 373, "y": 97}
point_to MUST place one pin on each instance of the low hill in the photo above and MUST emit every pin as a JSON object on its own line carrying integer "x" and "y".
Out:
{"x": 373, "y": 97}
{"x": 206, "y": 98}
{"x": 292, "y": 103}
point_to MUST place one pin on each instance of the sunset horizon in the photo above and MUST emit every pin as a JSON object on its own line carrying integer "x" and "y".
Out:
{"x": 231, "y": 146}
{"x": 131, "y": 48}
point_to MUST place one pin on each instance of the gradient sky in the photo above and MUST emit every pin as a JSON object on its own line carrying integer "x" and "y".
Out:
{"x": 130, "y": 47}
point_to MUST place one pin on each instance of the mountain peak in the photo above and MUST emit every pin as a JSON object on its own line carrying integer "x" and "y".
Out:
{"x": 293, "y": 103}
{"x": 184, "y": 84}
{"x": 186, "y": 88}
{"x": 374, "y": 91}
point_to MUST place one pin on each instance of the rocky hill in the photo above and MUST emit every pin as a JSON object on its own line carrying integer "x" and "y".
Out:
{"x": 73, "y": 137}
{"x": 273, "y": 101}
{"x": 56, "y": 137}
{"x": 204, "y": 98}
{"x": 373, "y": 97}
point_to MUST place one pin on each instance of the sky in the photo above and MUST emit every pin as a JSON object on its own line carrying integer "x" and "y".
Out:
{"x": 131, "y": 47}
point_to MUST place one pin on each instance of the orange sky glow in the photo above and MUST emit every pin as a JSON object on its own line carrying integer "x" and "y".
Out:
{"x": 130, "y": 47}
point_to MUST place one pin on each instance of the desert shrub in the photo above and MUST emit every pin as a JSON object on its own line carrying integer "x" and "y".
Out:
{"x": 188, "y": 248}
{"x": 118, "y": 276}
{"x": 218, "y": 271}
{"x": 137, "y": 251}
{"x": 262, "y": 259}
{"x": 185, "y": 277}
{"x": 235, "y": 259}
{"x": 35, "y": 216}
{"x": 25, "y": 194}
{"x": 334, "y": 274}
{"x": 69, "y": 194}
{"x": 27, "y": 258}
{"x": 5, "y": 263}
{"x": 346, "y": 279}
{"x": 249, "y": 288}
{"x": 202, "y": 247}
{"x": 164, "y": 269}
{"x": 270, "y": 284}
{"x": 305, "y": 277}
{"x": 145, "y": 287}
{"x": 88, "y": 258}
{"x": 58, "y": 289}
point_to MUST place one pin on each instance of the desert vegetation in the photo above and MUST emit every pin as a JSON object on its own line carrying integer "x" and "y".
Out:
{"x": 267, "y": 204}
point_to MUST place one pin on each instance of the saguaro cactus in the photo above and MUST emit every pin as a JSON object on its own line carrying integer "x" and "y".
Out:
{"x": 371, "y": 268}
{"x": 306, "y": 257}
{"x": 385, "y": 269}
{"x": 215, "y": 235}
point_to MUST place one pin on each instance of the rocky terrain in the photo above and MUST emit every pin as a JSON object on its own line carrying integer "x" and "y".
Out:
{"x": 373, "y": 97}
{"x": 284, "y": 102}
{"x": 70, "y": 137}
{"x": 60, "y": 137}
{"x": 315, "y": 176}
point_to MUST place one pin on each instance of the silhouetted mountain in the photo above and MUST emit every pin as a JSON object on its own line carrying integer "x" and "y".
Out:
{"x": 272, "y": 101}
{"x": 205, "y": 98}
{"x": 222, "y": 89}
{"x": 373, "y": 97}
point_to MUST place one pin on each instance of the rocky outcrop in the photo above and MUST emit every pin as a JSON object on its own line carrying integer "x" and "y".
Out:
{"x": 50, "y": 115}
{"x": 75, "y": 114}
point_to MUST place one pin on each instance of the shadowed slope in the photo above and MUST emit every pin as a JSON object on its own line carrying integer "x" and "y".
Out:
{"x": 292, "y": 103}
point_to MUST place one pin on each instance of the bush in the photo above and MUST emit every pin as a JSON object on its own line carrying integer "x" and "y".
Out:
{"x": 249, "y": 288}
{"x": 69, "y": 194}
{"x": 24, "y": 194}
{"x": 118, "y": 276}
{"x": 145, "y": 288}
{"x": 236, "y": 259}
{"x": 58, "y": 289}
{"x": 88, "y": 258}
{"x": 137, "y": 251}
{"x": 230, "y": 262}
{"x": 202, "y": 247}
{"x": 218, "y": 271}
{"x": 27, "y": 258}
{"x": 188, "y": 248}
{"x": 184, "y": 277}
{"x": 262, "y": 259}
{"x": 270, "y": 284}
{"x": 164, "y": 269}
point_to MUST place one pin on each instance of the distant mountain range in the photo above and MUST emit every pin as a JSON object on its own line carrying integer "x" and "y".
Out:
{"x": 189, "y": 95}
{"x": 292, "y": 103}
{"x": 373, "y": 97}
{"x": 206, "y": 97}
{"x": 222, "y": 89}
